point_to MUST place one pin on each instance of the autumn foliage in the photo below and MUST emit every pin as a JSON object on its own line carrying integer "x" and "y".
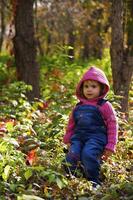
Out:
{"x": 31, "y": 147}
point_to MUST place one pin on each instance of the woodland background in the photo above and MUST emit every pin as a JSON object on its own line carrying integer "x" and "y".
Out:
{"x": 45, "y": 47}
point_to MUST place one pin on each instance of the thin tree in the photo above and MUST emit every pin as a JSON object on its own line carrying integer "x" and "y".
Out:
{"x": 25, "y": 46}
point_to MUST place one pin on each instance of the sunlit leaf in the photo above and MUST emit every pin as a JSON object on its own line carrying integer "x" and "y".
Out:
{"x": 9, "y": 126}
{"x": 5, "y": 174}
{"x": 59, "y": 183}
{"x": 28, "y": 174}
{"x": 29, "y": 197}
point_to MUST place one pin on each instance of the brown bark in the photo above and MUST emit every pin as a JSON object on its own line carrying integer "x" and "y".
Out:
{"x": 86, "y": 49}
{"x": 2, "y": 22}
{"x": 121, "y": 68}
{"x": 71, "y": 41}
{"x": 25, "y": 47}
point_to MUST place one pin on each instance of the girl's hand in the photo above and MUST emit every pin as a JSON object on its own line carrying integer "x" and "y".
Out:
{"x": 107, "y": 153}
{"x": 66, "y": 148}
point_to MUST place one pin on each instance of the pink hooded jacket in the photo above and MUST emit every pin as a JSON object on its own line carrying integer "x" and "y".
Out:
{"x": 106, "y": 109}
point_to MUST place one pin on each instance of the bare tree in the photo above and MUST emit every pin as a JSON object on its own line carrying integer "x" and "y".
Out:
{"x": 25, "y": 46}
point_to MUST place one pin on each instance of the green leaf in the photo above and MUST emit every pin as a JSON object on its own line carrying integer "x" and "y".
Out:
{"x": 51, "y": 178}
{"x": 3, "y": 146}
{"x": 11, "y": 141}
{"x": 59, "y": 183}
{"x": 29, "y": 197}
{"x": 5, "y": 174}
{"x": 13, "y": 187}
{"x": 28, "y": 174}
{"x": 9, "y": 126}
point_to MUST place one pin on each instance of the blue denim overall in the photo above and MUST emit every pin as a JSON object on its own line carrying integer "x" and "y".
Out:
{"x": 88, "y": 141}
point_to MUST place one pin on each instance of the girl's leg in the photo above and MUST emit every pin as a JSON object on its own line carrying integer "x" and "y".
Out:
{"x": 91, "y": 157}
{"x": 73, "y": 156}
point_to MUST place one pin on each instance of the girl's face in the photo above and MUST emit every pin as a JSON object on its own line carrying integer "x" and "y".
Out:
{"x": 91, "y": 89}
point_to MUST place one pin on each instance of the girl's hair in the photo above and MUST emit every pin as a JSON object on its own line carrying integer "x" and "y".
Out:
{"x": 102, "y": 86}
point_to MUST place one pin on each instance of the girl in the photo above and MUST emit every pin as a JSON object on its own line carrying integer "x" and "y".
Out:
{"x": 92, "y": 126}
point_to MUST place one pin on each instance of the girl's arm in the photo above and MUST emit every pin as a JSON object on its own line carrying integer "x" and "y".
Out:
{"x": 69, "y": 129}
{"x": 110, "y": 119}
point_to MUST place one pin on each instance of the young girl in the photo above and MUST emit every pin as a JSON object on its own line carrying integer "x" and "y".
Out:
{"x": 92, "y": 126}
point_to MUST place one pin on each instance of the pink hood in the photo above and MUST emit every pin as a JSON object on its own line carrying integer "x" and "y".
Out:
{"x": 93, "y": 74}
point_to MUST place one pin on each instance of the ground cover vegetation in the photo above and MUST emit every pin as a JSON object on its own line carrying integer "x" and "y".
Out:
{"x": 31, "y": 147}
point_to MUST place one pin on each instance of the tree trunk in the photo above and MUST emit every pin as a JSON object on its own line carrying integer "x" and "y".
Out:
{"x": 86, "y": 50}
{"x": 25, "y": 47}
{"x": 2, "y": 22}
{"x": 71, "y": 41}
{"x": 121, "y": 67}
{"x": 38, "y": 43}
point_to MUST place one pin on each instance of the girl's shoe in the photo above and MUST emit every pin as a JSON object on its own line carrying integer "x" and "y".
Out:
{"x": 95, "y": 186}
